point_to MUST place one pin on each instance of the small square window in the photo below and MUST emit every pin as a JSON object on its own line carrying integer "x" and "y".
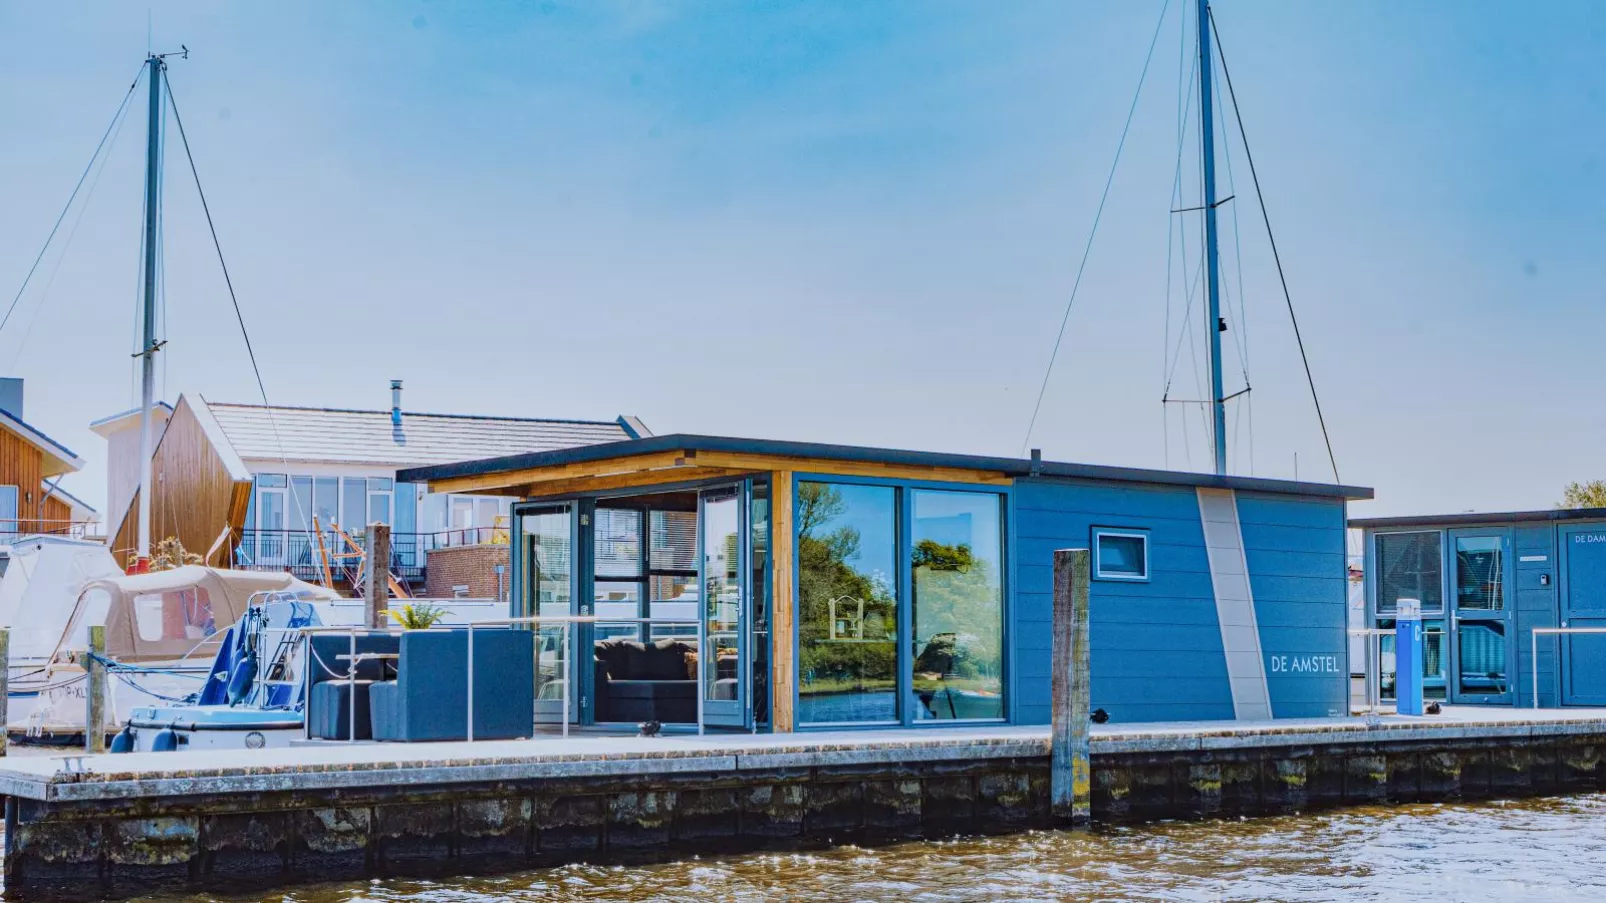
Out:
{"x": 1121, "y": 555}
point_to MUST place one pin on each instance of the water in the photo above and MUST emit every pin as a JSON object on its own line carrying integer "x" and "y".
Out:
{"x": 1531, "y": 850}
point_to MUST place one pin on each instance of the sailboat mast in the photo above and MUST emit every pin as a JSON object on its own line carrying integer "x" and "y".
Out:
{"x": 1216, "y": 325}
{"x": 149, "y": 346}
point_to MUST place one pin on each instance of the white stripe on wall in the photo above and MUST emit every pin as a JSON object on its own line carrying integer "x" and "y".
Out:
{"x": 1235, "y": 604}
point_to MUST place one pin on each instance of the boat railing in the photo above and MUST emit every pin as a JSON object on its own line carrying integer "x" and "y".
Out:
{"x": 1558, "y": 633}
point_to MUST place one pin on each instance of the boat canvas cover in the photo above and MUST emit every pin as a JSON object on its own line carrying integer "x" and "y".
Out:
{"x": 40, "y": 589}
{"x": 169, "y": 614}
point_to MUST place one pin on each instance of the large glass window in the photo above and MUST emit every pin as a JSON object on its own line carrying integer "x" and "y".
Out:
{"x": 956, "y": 564}
{"x": 1410, "y": 566}
{"x": 847, "y": 545}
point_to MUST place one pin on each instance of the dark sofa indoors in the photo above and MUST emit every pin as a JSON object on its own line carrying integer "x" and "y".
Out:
{"x": 638, "y": 682}
{"x": 428, "y": 700}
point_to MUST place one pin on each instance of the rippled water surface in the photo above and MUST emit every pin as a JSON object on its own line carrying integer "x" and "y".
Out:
{"x": 1548, "y": 849}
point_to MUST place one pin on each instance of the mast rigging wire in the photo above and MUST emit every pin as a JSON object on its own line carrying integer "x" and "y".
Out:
{"x": 70, "y": 198}
{"x": 1266, "y": 217}
{"x": 1088, "y": 249}
{"x": 234, "y": 299}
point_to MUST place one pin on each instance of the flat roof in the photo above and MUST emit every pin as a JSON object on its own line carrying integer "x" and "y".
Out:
{"x": 1477, "y": 518}
{"x": 1019, "y": 467}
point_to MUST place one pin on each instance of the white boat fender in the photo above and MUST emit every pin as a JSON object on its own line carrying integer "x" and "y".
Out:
{"x": 124, "y": 741}
{"x": 164, "y": 741}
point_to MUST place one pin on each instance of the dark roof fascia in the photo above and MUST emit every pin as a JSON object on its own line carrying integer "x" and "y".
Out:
{"x": 1011, "y": 466}
{"x": 1480, "y": 518}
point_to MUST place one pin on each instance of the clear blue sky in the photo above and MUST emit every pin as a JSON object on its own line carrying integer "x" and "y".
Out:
{"x": 853, "y": 222}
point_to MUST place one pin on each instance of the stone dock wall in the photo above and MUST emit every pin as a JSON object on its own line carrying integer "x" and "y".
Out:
{"x": 122, "y": 835}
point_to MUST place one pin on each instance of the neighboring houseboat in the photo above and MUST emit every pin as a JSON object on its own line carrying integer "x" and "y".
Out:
{"x": 854, "y": 587}
{"x": 267, "y": 474}
{"x": 1486, "y": 583}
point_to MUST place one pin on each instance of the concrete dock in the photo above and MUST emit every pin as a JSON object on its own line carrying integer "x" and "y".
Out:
{"x": 117, "y": 825}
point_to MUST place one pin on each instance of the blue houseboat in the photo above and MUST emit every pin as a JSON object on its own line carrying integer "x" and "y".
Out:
{"x": 1486, "y": 583}
{"x": 842, "y": 586}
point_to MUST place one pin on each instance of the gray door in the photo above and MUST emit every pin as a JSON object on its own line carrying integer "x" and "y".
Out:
{"x": 1582, "y": 567}
{"x": 724, "y": 606}
{"x": 1481, "y": 598}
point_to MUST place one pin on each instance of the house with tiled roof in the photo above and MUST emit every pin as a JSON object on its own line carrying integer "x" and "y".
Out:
{"x": 293, "y": 488}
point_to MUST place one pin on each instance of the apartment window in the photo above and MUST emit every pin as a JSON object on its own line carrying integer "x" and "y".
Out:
{"x": 1120, "y": 554}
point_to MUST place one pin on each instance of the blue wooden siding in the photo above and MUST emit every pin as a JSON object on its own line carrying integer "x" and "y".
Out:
{"x": 1295, "y": 551}
{"x": 1157, "y": 653}
{"x": 1535, "y": 607}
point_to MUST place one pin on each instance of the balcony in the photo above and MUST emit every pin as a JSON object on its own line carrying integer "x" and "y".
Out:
{"x": 76, "y": 529}
{"x": 299, "y": 552}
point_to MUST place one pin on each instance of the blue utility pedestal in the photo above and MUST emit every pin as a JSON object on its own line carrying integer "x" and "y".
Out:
{"x": 1408, "y": 657}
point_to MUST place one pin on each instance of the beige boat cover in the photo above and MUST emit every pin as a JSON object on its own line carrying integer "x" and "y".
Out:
{"x": 171, "y": 614}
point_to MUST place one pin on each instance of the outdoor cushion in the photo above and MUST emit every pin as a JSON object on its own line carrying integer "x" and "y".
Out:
{"x": 329, "y": 713}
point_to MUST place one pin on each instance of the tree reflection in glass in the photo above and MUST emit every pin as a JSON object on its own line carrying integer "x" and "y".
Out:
{"x": 848, "y": 606}
{"x": 958, "y": 629}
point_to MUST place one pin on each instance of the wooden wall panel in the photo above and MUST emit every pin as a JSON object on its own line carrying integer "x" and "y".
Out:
{"x": 194, "y": 494}
{"x": 783, "y": 661}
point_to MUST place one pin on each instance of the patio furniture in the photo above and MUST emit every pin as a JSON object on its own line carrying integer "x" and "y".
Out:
{"x": 330, "y": 688}
{"x": 428, "y": 699}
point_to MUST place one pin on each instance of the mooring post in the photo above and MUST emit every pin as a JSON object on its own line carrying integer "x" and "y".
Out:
{"x": 5, "y": 687}
{"x": 1071, "y": 783}
{"x": 95, "y": 698}
{"x": 377, "y": 575}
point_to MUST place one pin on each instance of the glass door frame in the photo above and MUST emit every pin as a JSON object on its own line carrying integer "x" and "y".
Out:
{"x": 737, "y": 712}
{"x": 1458, "y": 617}
{"x": 522, "y": 608}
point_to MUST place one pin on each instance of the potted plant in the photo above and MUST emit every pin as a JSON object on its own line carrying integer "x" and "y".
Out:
{"x": 420, "y": 616}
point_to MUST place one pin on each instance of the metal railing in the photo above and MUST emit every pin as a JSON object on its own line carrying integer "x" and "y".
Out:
{"x": 564, "y": 622}
{"x": 14, "y": 528}
{"x": 1557, "y": 632}
{"x": 297, "y": 551}
{"x": 1374, "y": 663}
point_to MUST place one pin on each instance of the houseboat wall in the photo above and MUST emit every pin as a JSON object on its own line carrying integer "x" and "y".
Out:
{"x": 1187, "y": 642}
{"x": 1550, "y": 572}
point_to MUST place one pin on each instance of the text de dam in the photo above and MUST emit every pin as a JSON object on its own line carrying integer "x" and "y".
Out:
{"x": 1304, "y": 664}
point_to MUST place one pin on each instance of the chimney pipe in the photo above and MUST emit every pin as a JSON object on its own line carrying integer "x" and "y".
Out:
{"x": 395, "y": 402}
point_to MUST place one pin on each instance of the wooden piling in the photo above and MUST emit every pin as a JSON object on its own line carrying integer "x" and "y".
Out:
{"x": 95, "y": 698}
{"x": 376, "y": 576}
{"x": 5, "y": 687}
{"x": 1070, "y": 771}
